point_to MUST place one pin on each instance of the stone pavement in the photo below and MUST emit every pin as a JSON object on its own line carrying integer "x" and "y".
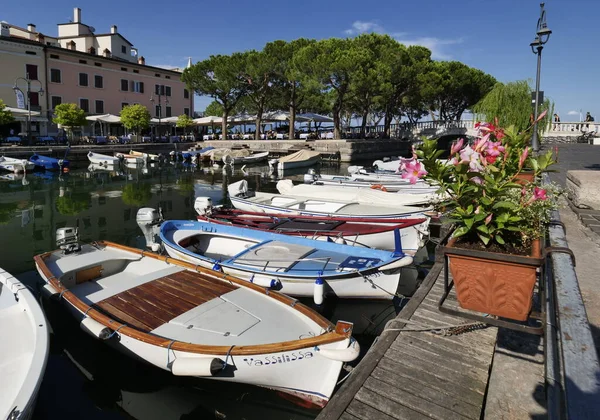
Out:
{"x": 574, "y": 156}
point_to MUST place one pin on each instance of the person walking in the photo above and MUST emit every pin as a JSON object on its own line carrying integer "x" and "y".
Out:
{"x": 588, "y": 118}
{"x": 556, "y": 120}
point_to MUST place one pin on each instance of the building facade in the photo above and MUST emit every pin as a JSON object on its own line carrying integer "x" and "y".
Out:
{"x": 101, "y": 73}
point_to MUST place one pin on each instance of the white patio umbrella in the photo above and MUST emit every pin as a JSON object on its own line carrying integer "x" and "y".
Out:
{"x": 104, "y": 118}
{"x": 18, "y": 112}
{"x": 209, "y": 121}
{"x": 309, "y": 116}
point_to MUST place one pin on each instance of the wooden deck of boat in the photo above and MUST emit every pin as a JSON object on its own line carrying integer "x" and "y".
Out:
{"x": 155, "y": 303}
{"x": 419, "y": 375}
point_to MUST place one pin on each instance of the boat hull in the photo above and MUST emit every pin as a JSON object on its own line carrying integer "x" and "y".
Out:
{"x": 49, "y": 163}
{"x": 103, "y": 160}
{"x": 16, "y": 166}
{"x": 298, "y": 164}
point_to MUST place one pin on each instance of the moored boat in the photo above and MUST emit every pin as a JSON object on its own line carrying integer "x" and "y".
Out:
{"x": 355, "y": 181}
{"x": 295, "y": 265}
{"x": 130, "y": 159}
{"x": 372, "y": 233}
{"x": 147, "y": 156}
{"x": 49, "y": 163}
{"x": 14, "y": 165}
{"x": 103, "y": 160}
{"x": 299, "y": 159}
{"x": 24, "y": 348}
{"x": 255, "y": 201}
{"x": 195, "y": 322}
{"x": 231, "y": 159}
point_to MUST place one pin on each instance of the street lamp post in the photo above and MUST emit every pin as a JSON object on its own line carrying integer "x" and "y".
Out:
{"x": 542, "y": 36}
{"x": 16, "y": 89}
{"x": 160, "y": 92}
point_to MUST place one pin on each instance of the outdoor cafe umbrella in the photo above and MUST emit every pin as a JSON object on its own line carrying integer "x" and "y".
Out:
{"x": 18, "y": 112}
{"x": 104, "y": 118}
{"x": 209, "y": 121}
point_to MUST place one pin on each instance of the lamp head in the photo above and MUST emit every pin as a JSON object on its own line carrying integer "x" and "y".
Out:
{"x": 536, "y": 44}
{"x": 41, "y": 92}
{"x": 544, "y": 34}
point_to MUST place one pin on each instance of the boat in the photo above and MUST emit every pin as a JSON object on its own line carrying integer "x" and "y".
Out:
{"x": 295, "y": 265}
{"x": 49, "y": 163}
{"x": 196, "y": 322}
{"x": 373, "y": 233}
{"x": 103, "y": 160}
{"x": 356, "y": 181}
{"x": 230, "y": 159}
{"x": 406, "y": 197}
{"x": 130, "y": 159}
{"x": 16, "y": 166}
{"x": 188, "y": 154}
{"x": 146, "y": 156}
{"x": 392, "y": 165}
{"x": 299, "y": 159}
{"x": 244, "y": 199}
{"x": 24, "y": 351}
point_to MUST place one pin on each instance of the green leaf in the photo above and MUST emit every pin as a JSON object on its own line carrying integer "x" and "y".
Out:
{"x": 499, "y": 239}
{"x": 483, "y": 228}
{"x": 460, "y": 232}
{"x": 468, "y": 222}
{"x": 484, "y": 238}
{"x": 504, "y": 205}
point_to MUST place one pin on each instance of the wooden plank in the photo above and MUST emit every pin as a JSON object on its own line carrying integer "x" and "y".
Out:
{"x": 428, "y": 380}
{"x": 135, "y": 313}
{"x": 363, "y": 411}
{"x": 451, "y": 321}
{"x": 348, "y": 416}
{"x": 465, "y": 338}
{"x": 165, "y": 302}
{"x": 215, "y": 286}
{"x": 337, "y": 405}
{"x": 173, "y": 290}
{"x": 198, "y": 289}
{"x": 438, "y": 371}
{"x": 144, "y": 306}
{"x": 87, "y": 274}
{"x": 120, "y": 316}
{"x": 387, "y": 406}
{"x": 414, "y": 402}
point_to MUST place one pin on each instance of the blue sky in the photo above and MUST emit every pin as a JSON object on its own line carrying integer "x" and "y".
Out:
{"x": 493, "y": 36}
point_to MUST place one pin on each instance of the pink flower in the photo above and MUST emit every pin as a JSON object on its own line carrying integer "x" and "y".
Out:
{"x": 456, "y": 146}
{"x": 403, "y": 162}
{"x": 413, "y": 171}
{"x": 499, "y": 133}
{"x": 454, "y": 161}
{"x": 541, "y": 116}
{"x": 523, "y": 157}
{"x": 477, "y": 180}
{"x": 539, "y": 194}
{"x": 488, "y": 219}
{"x": 481, "y": 144}
{"x": 470, "y": 156}
{"x": 494, "y": 149}
{"x": 491, "y": 159}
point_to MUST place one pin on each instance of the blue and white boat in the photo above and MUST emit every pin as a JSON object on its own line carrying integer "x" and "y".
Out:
{"x": 191, "y": 153}
{"x": 48, "y": 163}
{"x": 297, "y": 266}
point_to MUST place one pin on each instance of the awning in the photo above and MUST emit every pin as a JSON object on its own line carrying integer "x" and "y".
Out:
{"x": 210, "y": 120}
{"x": 309, "y": 116}
{"x": 107, "y": 118}
{"x": 16, "y": 112}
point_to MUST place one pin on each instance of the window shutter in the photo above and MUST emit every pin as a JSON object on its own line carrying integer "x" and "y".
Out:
{"x": 141, "y": 87}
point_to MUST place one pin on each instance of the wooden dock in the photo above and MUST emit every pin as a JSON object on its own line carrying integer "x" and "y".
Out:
{"x": 419, "y": 374}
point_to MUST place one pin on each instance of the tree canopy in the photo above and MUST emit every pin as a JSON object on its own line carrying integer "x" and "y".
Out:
{"x": 69, "y": 116}
{"x": 185, "y": 121}
{"x": 135, "y": 117}
{"x": 6, "y": 116}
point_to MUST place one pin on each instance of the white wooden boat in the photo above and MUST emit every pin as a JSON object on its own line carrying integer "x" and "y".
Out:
{"x": 243, "y": 199}
{"x": 300, "y": 159}
{"x": 356, "y": 181}
{"x": 196, "y": 322}
{"x": 229, "y": 159}
{"x": 103, "y": 160}
{"x": 388, "y": 165}
{"x": 130, "y": 159}
{"x": 295, "y": 265}
{"x": 146, "y": 156}
{"x": 16, "y": 166}
{"x": 407, "y": 197}
{"x": 23, "y": 348}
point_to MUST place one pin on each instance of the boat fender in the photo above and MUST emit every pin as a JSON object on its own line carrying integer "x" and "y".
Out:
{"x": 319, "y": 290}
{"x": 49, "y": 291}
{"x": 265, "y": 282}
{"x": 197, "y": 366}
{"x": 348, "y": 354}
{"x": 402, "y": 262}
{"x": 94, "y": 328}
{"x": 217, "y": 266}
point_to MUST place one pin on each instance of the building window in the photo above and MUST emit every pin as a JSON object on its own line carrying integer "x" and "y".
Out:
{"x": 124, "y": 85}
{"x": 157, "y": 75}
{"x": 157, "y": 111}
{"x": 82, "y": 62}
{"x": 31, "y": 71}
{"x": 54, "y": 56}
{"x": 99, "y": 107}
{"x": 136, "y": 71}
{"x": 34, "y": 99}
{"x": 98, "y": 64}
{"x": 124, "y": 104}
{"x": 186, "y": 94}
{"x": 83, "y": 79}
{"x": 137, "y": 87}
{"x": 84, "y": 104}
{"x": 168, "y": 90}
{"x": 98, "y": 81}
{"x": 123, "y": 49}
{"x": 168, "y": 112}
{"x": 55, "y": 100}
{"x": 167, "y": 77}
{"x": 92, "y": 50}
{"x": 71, "y": 45}
{"x": 186, "y": 111}
{"x": 123, "y": 68}
{"x": 55, "y": 76}
{"x": 31, "y": 52}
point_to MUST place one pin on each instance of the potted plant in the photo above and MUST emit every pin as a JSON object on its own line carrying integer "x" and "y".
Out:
{"x": 494, "y": 251}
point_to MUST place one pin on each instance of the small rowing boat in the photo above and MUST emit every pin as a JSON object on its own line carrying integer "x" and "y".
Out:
{"x": 16, "y": 166}
{"x": 49, "y": 163}
{"x": 130, "y": 159}
{"x": 103, "y": 160}
{"x": 299, "y": 159}
{"x": 231, "y": 159}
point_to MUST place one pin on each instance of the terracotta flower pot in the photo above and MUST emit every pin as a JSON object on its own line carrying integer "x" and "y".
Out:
{"x": 494, "y": 283}
{"x": 524, "y": 178}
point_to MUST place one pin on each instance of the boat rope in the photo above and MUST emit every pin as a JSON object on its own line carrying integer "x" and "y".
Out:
{"x": 444, "y": 331}
{"x": 227, "y": 357}
{"x": 395, "y": 294}
{"x": 349, "y": 369}
{"x": 115, "y": 331}
{"x": 168, "y": 350}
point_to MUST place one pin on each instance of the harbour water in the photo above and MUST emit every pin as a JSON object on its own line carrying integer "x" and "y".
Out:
{"x": 85, "y": 379}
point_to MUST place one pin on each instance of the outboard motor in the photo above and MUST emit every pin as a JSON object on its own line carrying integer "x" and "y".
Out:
{"x": 149, "y": 220}
{"x": 67, "y": 239}
{"x": 203, "y": 206}
{"x": 311, "y": 176}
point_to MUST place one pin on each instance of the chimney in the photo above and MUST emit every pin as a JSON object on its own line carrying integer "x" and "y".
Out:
{"x": 113, "y": 29}
{"x": 4, "y": 29}
{"x": 142, "y": 61}
{"x": 77, "y": 15}
{"x": 31, "y": 27}
{"x": 106, "y": 53}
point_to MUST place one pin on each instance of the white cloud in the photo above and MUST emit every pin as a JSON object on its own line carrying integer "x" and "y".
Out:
{"x": 436, "y": 45}
{"x": 360, "y": 27}
{"x": 573, "y": 113}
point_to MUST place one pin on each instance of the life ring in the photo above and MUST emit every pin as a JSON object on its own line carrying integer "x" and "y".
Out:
{"x": 378, "y": 187}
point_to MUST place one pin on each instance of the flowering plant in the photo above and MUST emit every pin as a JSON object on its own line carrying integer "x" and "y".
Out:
{"x": 487, "y": 200}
